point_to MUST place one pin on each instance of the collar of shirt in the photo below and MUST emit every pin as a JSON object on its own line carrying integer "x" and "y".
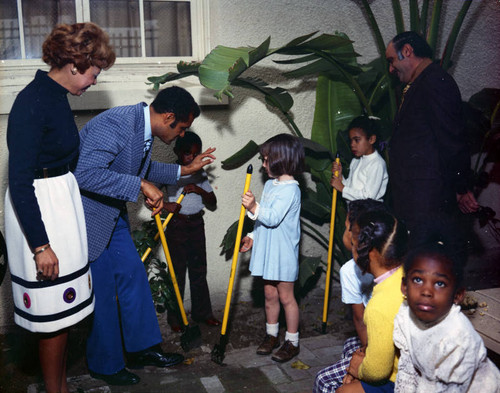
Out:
{"x": 369, "y": 157}
{"x": 148, "y": 135}
{"x": 385, "y": 276}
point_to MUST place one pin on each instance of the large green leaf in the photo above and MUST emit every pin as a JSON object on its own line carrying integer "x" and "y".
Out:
{"x": 452, "y": 38}
{"x": 398, "y": 16}
{"x": 308, "y": 269}
{"x": 276, "y": 97}
{"x": 414, "y": 16}
{"x": 432, "y": 35}
{"x": 336, "y": 106}
{"x": 224, "y": 64}
{"x": 241, "y": 156}
{"x": 324, "y": 42}
{"x": 423, "y": 17}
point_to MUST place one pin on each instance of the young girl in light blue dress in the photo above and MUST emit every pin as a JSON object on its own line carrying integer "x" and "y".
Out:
{"x": 275, "y": 240}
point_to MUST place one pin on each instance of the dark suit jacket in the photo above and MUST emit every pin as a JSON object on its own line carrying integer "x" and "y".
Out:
{"x": 428, "y": 158}
{"x": 109, "y": 170}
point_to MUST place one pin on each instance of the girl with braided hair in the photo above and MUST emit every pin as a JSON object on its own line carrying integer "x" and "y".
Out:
{"x": 379, "y": 243}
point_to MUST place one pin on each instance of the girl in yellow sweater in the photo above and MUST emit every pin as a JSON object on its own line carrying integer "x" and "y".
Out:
{"x": 379, "y": 243}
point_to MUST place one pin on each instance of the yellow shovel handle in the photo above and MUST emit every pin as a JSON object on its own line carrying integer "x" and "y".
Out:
{"x": 171, "y": 269}
{"x": 236, "y": 252}
{"x": 330, "y": 248}
{"x": 167, "y": 220}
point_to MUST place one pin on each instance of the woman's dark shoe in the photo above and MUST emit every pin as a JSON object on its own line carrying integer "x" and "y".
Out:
{"x": 122, "y": 377}
{"x": 286, "y": 352}
{"x": 153, "y": 356}
{"x": 267, "y": 346}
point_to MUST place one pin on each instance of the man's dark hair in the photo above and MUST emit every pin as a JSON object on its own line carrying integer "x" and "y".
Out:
{"x": 178, "y": 101}
{"x": 187, "y": 141}
{"x": 420, "y": 46}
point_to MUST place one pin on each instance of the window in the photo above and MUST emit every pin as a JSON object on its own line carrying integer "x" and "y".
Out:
{"x": 149, "y": 37}
{"x": 137, "y": 28}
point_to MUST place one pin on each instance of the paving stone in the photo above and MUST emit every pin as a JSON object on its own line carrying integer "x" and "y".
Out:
{"x": 296, "y": 387}
{"x": 329, "y": 353}
{"x": 212, "y": 384}
{"x": 294, "y": 373}
{"x": 274, "y": 374}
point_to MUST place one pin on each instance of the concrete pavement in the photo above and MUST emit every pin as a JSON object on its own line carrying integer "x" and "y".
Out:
{"x": 243, "y": 371}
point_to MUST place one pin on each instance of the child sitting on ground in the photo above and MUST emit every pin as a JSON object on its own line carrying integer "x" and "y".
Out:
{"x": 440, "y": 350}
{"x": 379, "y": 243}
{"x": 356, "y": 291}
{"x": 186, "y": 232}
{"x": 367, "y": 172}
{"x": 276, "y": 237}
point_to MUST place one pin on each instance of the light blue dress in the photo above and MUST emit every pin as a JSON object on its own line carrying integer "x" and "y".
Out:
{"x": 276, "y": 236}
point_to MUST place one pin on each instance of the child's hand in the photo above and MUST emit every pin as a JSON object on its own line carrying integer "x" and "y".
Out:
{"x": 192, "y": 188}
{"x": 248, "y": 200}
{"x": 171, "y": 207}
{"x": 348, "y": 378}
{"x": 337, "y": 167}
{"x": 336, "y": 182}
{"x": 356, "y": 360}
{"x": 246, "y": 244}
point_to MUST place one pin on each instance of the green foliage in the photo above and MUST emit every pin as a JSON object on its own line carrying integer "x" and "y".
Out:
{"x": 160, "y": 282}
{"x": 345, "y": 89}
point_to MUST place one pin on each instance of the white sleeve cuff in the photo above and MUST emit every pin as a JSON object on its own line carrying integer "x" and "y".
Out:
{"x": 256, "y": 214}
{"x": 250, "y": 235}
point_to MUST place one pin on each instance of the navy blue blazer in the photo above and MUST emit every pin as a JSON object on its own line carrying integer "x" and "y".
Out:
{"x": 109, "y": 170}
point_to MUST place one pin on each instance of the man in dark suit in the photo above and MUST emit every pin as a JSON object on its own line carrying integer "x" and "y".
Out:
{"x": 114, "y": 167}
{"x": 429, "y": 160}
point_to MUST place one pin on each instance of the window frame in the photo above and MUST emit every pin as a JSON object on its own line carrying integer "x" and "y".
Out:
{"x": 125, "y": 82}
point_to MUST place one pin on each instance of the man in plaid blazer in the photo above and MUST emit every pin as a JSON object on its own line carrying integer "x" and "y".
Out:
{"x": 114, "y": 167}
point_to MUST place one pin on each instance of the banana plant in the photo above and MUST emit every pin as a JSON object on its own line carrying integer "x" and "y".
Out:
{"x": 345, "y": 89}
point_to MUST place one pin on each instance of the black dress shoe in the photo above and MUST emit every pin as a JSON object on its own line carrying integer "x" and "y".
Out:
{"x": 153, "y": 356}
{"x": 122, "y": 377}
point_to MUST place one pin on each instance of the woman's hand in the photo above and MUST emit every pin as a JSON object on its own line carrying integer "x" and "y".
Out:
{"x": 47, "y": 264}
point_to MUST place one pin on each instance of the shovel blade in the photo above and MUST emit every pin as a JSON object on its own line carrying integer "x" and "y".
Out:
{"x": 191, "y": 338}
{"x": 219, "y": 351}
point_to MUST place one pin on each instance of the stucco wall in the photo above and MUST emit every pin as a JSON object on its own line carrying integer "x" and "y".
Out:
{"x": 242, "y": 23}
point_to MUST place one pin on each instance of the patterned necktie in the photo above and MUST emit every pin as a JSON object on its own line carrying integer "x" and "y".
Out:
{"x": 147, "y": 146}
{"x": 405, "y": 90}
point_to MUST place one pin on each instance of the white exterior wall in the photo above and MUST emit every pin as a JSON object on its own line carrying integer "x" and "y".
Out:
{"x": 248, "y": 23}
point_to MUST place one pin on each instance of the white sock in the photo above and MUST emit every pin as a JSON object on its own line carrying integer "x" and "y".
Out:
{"x": 293, "y": 338}
{"x": 273, "y": 329}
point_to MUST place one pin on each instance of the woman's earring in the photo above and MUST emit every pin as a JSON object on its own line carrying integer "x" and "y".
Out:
{"x": 74, "y": 70}
{"x": 405, "y": 297}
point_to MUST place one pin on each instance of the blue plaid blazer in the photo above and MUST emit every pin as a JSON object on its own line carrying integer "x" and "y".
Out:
{"x": 109, "y": 170}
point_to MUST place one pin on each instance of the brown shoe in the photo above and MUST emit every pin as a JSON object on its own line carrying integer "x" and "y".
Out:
{"x": 286, "y": 352}
{"x": 267, "y": 346}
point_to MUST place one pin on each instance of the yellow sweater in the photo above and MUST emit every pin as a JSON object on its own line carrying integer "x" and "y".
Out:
{"x": 381, "y": 362}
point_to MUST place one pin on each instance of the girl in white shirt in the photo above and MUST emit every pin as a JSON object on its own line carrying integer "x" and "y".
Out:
{"x": 439, "y": 349}
{"x": 367, "y": 172}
